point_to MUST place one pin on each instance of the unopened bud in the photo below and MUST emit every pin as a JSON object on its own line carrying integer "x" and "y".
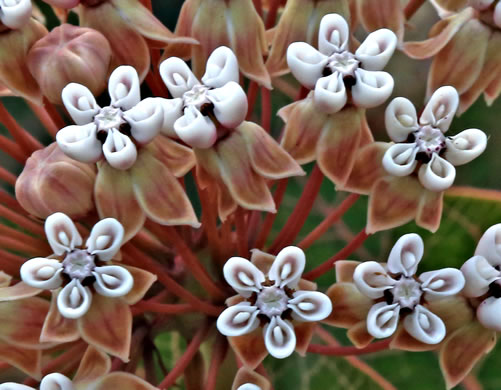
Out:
{"x": 70, "y": 54}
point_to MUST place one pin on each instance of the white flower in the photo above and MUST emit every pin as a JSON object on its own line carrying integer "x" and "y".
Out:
{"x": 272, "y": 297}
{"x": 423, "y": 146}
{"x": 77, "y": 268}
{"x": 199, "y": 109}
{"x": 333, "y": 69}
{"x": 245, "y": 386}
{"x": 399, "y": 292}
{"x": 483, "y": 277}
{"x": 112, "y": 131}
{"x": 15, "y": 13}
{"x": 49, "y": 382}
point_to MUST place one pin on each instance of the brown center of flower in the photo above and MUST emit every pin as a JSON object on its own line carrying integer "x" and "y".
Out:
{"x": 79, "y": 264}
{"x": 272, "y": 301}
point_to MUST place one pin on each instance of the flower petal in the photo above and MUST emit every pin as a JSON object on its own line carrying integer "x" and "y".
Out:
{"x": 479, "y": 274}
{"x": 465, "y": 146}
{"x": 123, "y": 87}
{"x": 230, "y": 104}
{"x": 221, "y": 68}
{"x": 122, "y": 381}
{"x": 349, "y": 305}
{"x": 119, "y": 150}
{"x": 15, "y": 14}
{"x": 56, "y": 381}
{"x": 400, "y": 119}
{"x": 377, "y": 49}
{"x": 246, "y": 379}
{"x": 80, "y": 143}
{"x": 488, "y": 313}
{"x": 288, "y": 267}
{"x": 14, "y": 386}
{"x": 406, "y": 254}
{"x": 425, "y": 326}
{"x": 80, "y": 103}
{"x": 94, "y": 364}
{"x": 249, "y": 348}
{"x": 372, "y": 280}
{"x": 238, "y": 320}
{"x": 438, "y": 175}
{"x": 333, "y": 35}
{"x": 430, "y": 210}
{"x": 375, "y": 14}
{"x": 441, "y": 283}
{"x": 195, "y": 129}
{"x": 305, "y": 63}
{"x": 74, "y": 300}
{"x": 62, "y": 233}
{"x": 400, "y": 159}
{"x": 371, "y": 88}
{"x": 56, "y": 328}
{"x": 42, "y": 273}
{"x": 382, "y": 320}
{"x": 172, "y": 110}
{"x": 310, "y": 306}
{"x": 440, "y": 109}
{"x": 243, "y": 276}
{"x": 27, "y": 360}
{"x": 143, "y": 280}
{"x": 279, "y": 338}
{"x": 177, "y": 76}
{"x": 489, "y": 245}
{"x": 145, "y": 119}
{"x": 330, "y": 93}
{"x": 112, "y": 281}
{"x": 179, "y": 159}
{"x": 105, "y": 239}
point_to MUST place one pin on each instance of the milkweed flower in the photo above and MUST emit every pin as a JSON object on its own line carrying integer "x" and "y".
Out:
{"x": 271, "y": 295}
{"x": 249, "y": 380}
{"x": 233, "y": 155}
{"x": 329, "y": 124}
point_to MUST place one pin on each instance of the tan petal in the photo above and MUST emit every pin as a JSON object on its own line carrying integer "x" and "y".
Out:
{"x": 250, "y": 348}
{"x": 304, "y": 333}
{"x": 393, "y": 202}
{"x": 455, "y": 311}
{"x": 462, "y": 350}
{"x": 56, "y": 328}
{"x": 375, "y": 14}
{"x": 359, "y": 335}
{"x": 113, "y": 318}
{"x": 349, "y": 306}
{"x": 18, "y": 291}
{"x": 27, "y": 360}
{"x": 142, "y": 283}
{"x": 115, "y": 198}
{"x": 338, "y": 143}
{"x": 93, "y": 365}
{"x": 345, "y": 270}
{"x": 430, "y": 210}
{"x": 244, "y": 376}
{"x": 263, "y": 261}
{"x": 404, "y": 341}
{"x": 451, "y": 5}
{"x": 122, "y": 381}
{"x": 178, "y": 158}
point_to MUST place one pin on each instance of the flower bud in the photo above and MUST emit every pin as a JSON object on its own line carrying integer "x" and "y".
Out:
{"x": 52, "y": 182}
{"x": 70, "y": 54}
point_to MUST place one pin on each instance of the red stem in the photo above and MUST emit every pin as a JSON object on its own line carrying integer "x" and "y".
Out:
{"x": 352, "y": 246}
{"x": 278, "y": 196}
{"x": 21, "y": 220}
{"x": 163, "y": 308}
{"x": 412, "y": 7}
{"x": 251, "y": 98}
{"x": 265, "y": 109}
{"x": 272, "y": 14}
{"x": 241, "y": 227}
{"x": 12, "y": 149}
{"x": 54, "y": 114}
{"x": 7, "y": 176}
{"x": 335, "y": 350}
{"x": 25, "y": 140}
{"x": 45, "y": 118}
{"x": 218, "y": 354}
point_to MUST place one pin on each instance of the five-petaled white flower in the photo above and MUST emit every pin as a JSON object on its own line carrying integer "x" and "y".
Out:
{"x": 200, "y": 112}
{"x": 15, "y": 13}
{"x": 335, "y": 73}
{"x": 49, "y": 382}
{"x": 483, "y": 278}
{"x": 422, "y": 145}
{"x": 401, "y": 294}
{"x": 272, "y": 299}
{"x": 114, "y": 131}
{"x": 76, "y": 268}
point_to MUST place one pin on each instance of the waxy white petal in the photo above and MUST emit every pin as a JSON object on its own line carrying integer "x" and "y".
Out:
{"x": 441, "y": 283}
{"x": 80, "y": 103}
{"x": 489, "y": 245}
{"x": 145, "y": 120}
{"x": 400, "y": 119}
{"x": 80, "y": 143}
{"x": 123, "y": 87}
{"x": 195, "y": 129}
{"x": 478, "y": 274}
{"x": 425, "y": 326}
{"x": 113, "y": 281}
{"x": 14, "y": 386}
{"x": 333, "y": 34}
{"x": 238, "y": 320}
{"x": 400, "y": 159}
{"x": 230, "y": 104}
{"x": 310, "y": 306}
{"x": 105, "y": 239}
{"x": 441, "y": 108}
{"x": 330, "y": 94}
{"x": 489, "y": 313}
{"x": 306, "y": 63}
{"x": 246, "y": 386}
{"x": 288, "y": 267}
{"x": 172, "y": 110}
{"x": 177, "y": 76}
{"x": 42, "y": 273}
{"x": 438, "y": 175}
{"x": 497, "y": 15}
{"x": 243, "y": 276}
{"x": 279, "y": 338}
{"x": 382, "y": 319}
{"x": 74, "y": 300}
{"x": 221, "y": 68}
{"x": 56, "y": 382}
{"x": 406, "y": 255}
{"x": 371, "y": 88}
{"x": 119, "y": 150}
{"x": 61, "y": 233}
{"x": 372, "y": 279}
{"x": 465, "y": 146}
{"x": 377, "y": 49}
{"x": 15, "y": 13}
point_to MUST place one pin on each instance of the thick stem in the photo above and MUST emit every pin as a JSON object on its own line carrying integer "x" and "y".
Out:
{"x": 412, "y": 7}
{"x": 241, "y": 226}
{"x": 251, "y": 98}
{"x": 53, "y": 113}
{"x": 219, "y": 350}
{"x": 271, "y": 17}
{"x": 163, "y": 308}
{"x": 45, "y": 119}
{"x": 24, "y": 139}
{"x": 7, "y": 176}
{"x": 12, "y": 149}
{"x": 21, "y": 220}
{"x": 335, "y": 350}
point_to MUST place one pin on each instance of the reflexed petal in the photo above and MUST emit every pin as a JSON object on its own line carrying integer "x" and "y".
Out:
{"x": 345, "y": 270}
{"x": 377, "y": 49}
{"x": 425, "y": 326}
{"x": 56, "y": 328}
{"x": 143, "y": 280}
{"x": 177, "y": 76}
{"x": 56, "y": 382}
{"x": 195, "y": 129}
{"x": 438, "y": 175}
{"x": 122, "y": 381}
{"x": 440, "y": 109}
{"x": 179, "y": 159}
{"x": 382, "y": 319}
{"x": 27, "y": 360}
{"x": 15, "y": 14}
{"x": 246, "y": 379}
{"x": 310, "y": 306}
{"x": 230, "y": 104}
{"x": 74, "y": 300}
{"x": 243, "y": 276}
{"x": 359, "y": 335}
{"x": 145, "y": 120}
{"x": 238, "y": 320}
{"x": 112, "y": 281}
{"x": 479, "y": 274}
{"x": 221, "y": 68}
{"x": 375, "y": 14}
{"x": 430, "y": 210}
{"x": 349, "y": 305}
{"x": 42, "y": 273}
{"x": 249, "y": 348}
{"x": 80, "y": 143}
{"x": 305, "y": 63}
{"x": 441, "y": 283}
{"x": 119, "y": 150}
{"x": 288, "y": 267}
{"x": 172, "y": 111}
{"x": 279, "y": 338}
{"x": 61, "y": 233}
{"x": 372, "y": 280}
{"x": 94, "y": 364}
{"x": 489, "y": 313}
{"x": 465, "y": 146}
{"x": 333, "y": 35}
{"x": 17, "y": 291}
{"x": 330, "y": 94}
{"x": 400, "y": 119}
{"x": 406, "y": 254}
{"x": 400, "y": 159}
{"x": 489, "y": 245}
{"x": 404, "y": 341}
{"x": 80, "y": 103}
{"x": 371, "y": 88}
{"x": 105, "y": 239}
{"x": 123, "y": 87}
